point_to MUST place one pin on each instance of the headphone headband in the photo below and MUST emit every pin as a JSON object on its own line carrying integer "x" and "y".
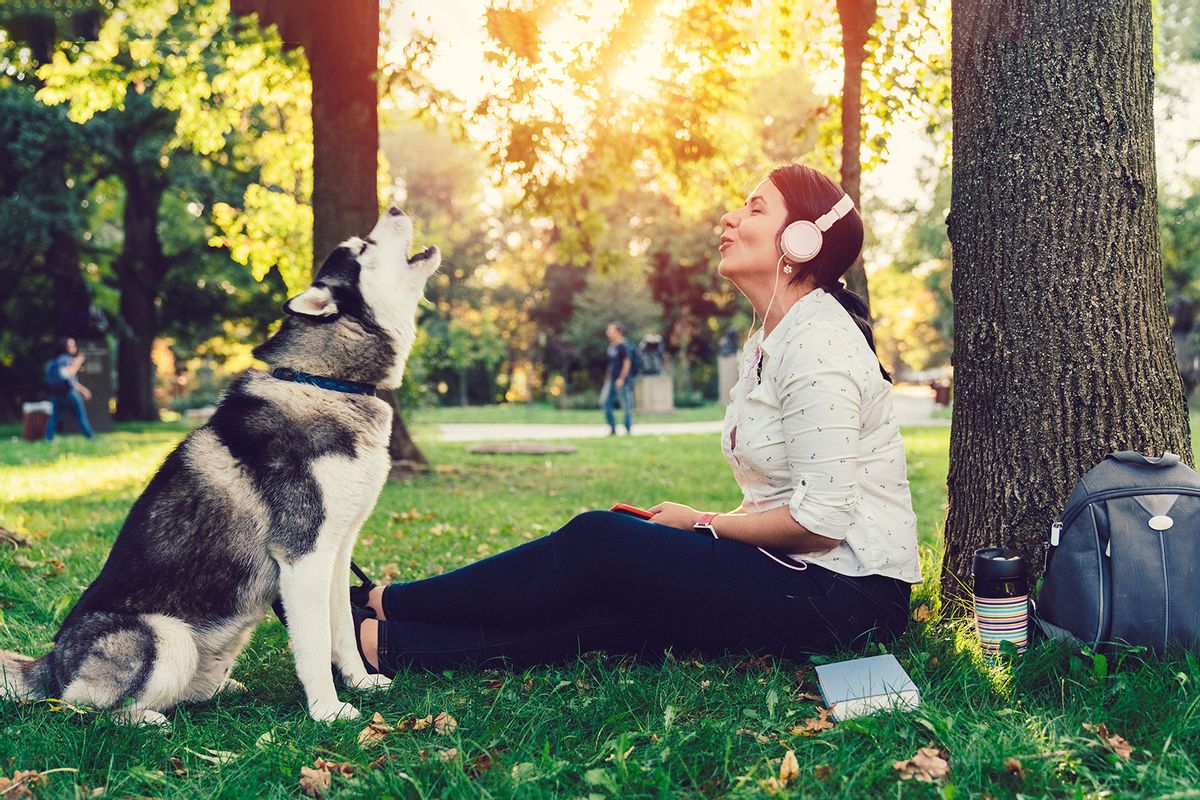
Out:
{"x": 840, "y": 209}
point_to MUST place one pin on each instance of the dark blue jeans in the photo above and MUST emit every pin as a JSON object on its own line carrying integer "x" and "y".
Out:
{"x": 63, "y": 400}
{"x": 608, "y": 581}
{"x": 624, "y": 394}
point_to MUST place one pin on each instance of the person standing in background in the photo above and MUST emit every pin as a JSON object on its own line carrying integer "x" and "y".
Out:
{"x": 618, "y": 381}
{"x": 66, "y": 391}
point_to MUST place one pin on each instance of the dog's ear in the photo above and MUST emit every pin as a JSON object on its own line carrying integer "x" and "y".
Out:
{"x": 315, "y": 301}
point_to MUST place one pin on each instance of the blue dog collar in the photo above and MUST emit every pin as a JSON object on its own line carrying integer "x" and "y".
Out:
{"x": 323, "y": 381}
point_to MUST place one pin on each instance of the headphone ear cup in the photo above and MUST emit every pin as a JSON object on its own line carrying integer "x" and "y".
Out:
{"x": 800, "y": 241}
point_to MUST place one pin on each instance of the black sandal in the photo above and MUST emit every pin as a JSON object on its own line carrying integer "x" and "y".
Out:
{"x": 359, "y": 595}
{"x": 360, "y": 614}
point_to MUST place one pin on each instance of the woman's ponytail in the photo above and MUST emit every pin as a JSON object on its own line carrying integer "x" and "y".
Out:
{"x": 856, "y": 307}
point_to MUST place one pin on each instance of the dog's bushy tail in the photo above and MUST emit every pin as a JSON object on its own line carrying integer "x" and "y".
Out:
{"x": 22, "y": 677}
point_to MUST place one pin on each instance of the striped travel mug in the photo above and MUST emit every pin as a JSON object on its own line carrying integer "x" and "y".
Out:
{"x": 1001, "y": 599}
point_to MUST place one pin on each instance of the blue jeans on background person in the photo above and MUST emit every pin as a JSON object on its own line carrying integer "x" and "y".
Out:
{"x": 625, "y": 394}
{"x": 612, "y": 582}
{"x": 70, "y": 399}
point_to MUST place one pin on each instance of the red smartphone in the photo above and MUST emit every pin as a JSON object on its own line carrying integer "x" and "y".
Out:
{"x": 632, "y": 511}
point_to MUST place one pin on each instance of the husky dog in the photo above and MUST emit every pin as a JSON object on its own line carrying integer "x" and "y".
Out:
{"x": 263, "y": 501}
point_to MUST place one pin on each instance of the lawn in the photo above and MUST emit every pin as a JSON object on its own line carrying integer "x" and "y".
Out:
{"x": 546, "y": 413}
{"x": 600, "y": 727}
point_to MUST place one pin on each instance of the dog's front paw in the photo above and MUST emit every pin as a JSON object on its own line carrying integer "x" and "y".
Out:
{"x": 325, "y": 711}
{"x": 369, "y": 682}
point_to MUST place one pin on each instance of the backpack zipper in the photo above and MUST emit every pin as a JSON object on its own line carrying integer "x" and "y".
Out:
{"x": 1071, "y": 513}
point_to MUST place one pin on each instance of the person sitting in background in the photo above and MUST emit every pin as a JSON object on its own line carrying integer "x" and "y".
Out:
{"x": 62, "y": 379}
{"x": 820, "y": 554}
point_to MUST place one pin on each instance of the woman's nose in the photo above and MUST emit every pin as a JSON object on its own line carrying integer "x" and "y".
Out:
{"x": 727, "y": 219}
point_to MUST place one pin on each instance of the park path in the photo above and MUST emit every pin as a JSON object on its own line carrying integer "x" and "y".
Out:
{"x": 914, "y": 406}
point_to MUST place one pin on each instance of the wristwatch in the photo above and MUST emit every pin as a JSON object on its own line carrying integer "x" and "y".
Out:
{"x": 705, "y": 525}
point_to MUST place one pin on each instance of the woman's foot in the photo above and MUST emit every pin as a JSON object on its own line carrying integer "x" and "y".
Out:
{"x": 375, "y": 602}
{"x": 368, "y": 643}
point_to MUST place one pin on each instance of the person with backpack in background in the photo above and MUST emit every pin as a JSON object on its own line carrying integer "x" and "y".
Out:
{"x": 618, "y": 381}
{"x": 65, "y": 389}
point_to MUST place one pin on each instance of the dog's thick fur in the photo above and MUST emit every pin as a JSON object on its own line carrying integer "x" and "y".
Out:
{"x": 263, "y": 501}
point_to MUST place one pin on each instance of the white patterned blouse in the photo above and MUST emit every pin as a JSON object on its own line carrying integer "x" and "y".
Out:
{"x": 811, "y": 425}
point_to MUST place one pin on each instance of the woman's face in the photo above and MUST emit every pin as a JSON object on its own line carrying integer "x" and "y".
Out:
{"x": 750, "y": 235}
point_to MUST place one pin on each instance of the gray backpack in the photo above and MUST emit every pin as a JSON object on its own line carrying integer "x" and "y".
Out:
{"x": 1124, "y": 563}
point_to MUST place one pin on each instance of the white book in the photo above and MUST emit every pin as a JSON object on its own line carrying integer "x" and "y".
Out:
{"x": 866, "y": 685}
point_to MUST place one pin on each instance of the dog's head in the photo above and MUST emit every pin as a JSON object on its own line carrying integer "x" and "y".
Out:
{"x": 357, "y": 321}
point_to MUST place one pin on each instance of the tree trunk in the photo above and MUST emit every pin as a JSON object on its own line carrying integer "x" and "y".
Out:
{"x": 1062, "y": 351}
{"x": 71, "y": 298}
{"x": 341, "y": 46}
{"x": 857, "y": 17}
{"x": 407, "y": 458}
{"x": 140, "y": 269}
{"x": 341, "y": 41}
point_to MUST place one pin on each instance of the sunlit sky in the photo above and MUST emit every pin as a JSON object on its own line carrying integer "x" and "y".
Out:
{"x": 458, "y": 27}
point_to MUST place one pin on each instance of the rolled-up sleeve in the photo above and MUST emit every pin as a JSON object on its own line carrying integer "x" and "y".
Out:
{"x": 820, "y": 405}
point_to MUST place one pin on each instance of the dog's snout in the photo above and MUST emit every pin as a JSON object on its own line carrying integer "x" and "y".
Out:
{"x": 395, "y": 212}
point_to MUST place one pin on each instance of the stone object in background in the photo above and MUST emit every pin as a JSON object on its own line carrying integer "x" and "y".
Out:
{"x": 653, "y": 394}
{"x": 727, "y": 375}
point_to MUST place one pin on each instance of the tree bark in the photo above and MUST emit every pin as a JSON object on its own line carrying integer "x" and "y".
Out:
{"x": 341, "y": 41}
{"x": 139, "y": 134}
{"x": 857, "y": 17}
{"x": 140, "y": 269}
{"x": 1062, "y": 349}
{"x": 342, "y": 50}
{"x": 71, "y": 297}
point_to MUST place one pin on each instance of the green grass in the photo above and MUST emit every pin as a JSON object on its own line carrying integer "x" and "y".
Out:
{"x": 599, "y": 727}
{"x": 544, "y": 413}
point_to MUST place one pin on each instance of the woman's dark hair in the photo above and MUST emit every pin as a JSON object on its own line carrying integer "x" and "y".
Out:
{"x": 808, "y": 194}
{"x": 60, "y": 345}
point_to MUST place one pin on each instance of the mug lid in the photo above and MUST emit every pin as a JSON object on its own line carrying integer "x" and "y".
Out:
{"x": 998, "y": 563}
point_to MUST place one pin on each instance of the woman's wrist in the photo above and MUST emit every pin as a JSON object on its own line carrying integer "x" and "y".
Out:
{"x": 704, "y": 523}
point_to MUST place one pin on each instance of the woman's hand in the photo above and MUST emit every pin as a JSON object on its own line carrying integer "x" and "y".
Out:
{"x": 676, "y": 515}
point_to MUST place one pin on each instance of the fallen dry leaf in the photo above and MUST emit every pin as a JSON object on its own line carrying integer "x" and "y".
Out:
{"x": 375, "y": 731}
{"x": 922, "y": 613}
{"x": 756, "y": 664}
{"x": 770, "y": 785}
{"x": 822, "y": 772}
{"x": 379, "y": 763}
{"x": 481, "y": 764}
{"x": 177, "y": 766}
{"x": 494, "y": 684}
{"x": 1111, "y": 741}
{"x": 18, "y": 786}
{"x": 809, "y": 696}
{"x": 448, "y": 755}
{"x": 1013, "y": 765}
{"x": 422, "y": 723}
{"x": 927, "y": 765}
{"x": 14, "y": 540}
{"x": 314, "y": 782}
{"x": 343, "y": 768}
{"x": 747, "y": 732}
{"x": 444, "y": 724}
{"x": 789, "y": 769}
{"x": 815, "y": 724}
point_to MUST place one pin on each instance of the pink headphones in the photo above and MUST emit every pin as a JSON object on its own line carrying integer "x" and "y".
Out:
{"x": 801, "y": 241}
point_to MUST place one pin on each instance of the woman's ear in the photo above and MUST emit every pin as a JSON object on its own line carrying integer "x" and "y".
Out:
{"x": 315, "y": 301}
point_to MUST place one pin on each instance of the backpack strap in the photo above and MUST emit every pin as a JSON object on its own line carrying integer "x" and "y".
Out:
{"x": 1167, "y": 459}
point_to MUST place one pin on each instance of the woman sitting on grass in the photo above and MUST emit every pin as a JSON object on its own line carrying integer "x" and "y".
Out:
{"x": 818, "y": 557}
